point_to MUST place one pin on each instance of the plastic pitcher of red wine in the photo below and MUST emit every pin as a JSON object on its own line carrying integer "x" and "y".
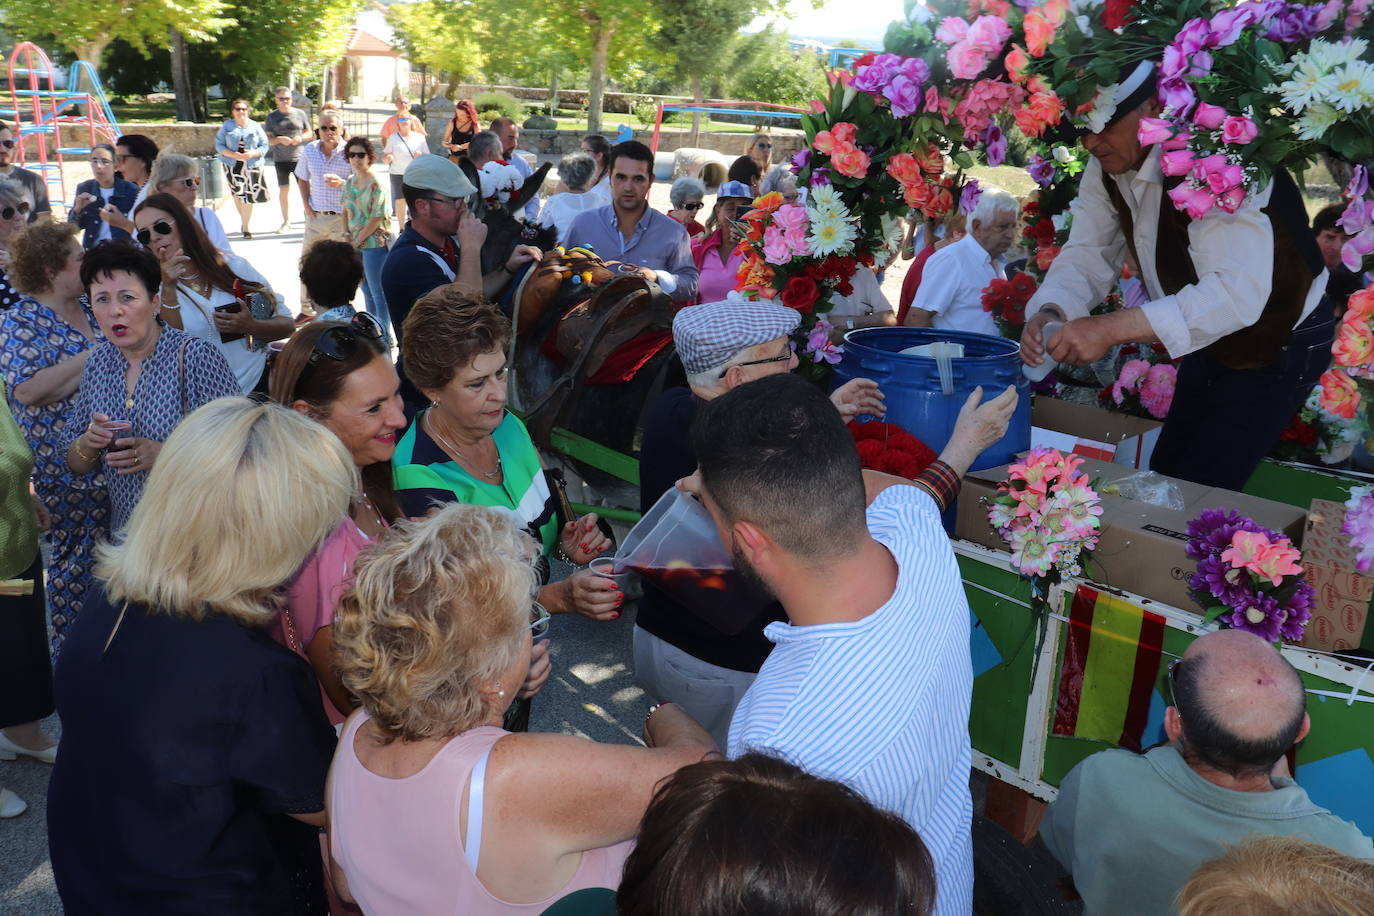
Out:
{"x": 676, "y": 547}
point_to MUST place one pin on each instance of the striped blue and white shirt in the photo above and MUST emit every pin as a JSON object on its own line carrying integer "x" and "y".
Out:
{"x": 882, "y": 704}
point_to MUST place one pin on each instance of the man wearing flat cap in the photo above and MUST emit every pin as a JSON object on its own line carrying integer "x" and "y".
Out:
{"x": 427, "y": 255}
{"x": 1239, "y": 296}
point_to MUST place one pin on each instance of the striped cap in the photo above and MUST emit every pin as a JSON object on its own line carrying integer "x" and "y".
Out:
{"x": 709, "y": 335}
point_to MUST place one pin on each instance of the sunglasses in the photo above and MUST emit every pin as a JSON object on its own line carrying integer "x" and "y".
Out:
{"x": 9, "y": 212}
{"x": 329, "y": 127}
{"x": 161, "y": 227}
{"x": 358, "y": 154}
{"x": 694, "y": 207}
{"x": 402, "y": 120}
{"x": 1173, "y": 689}
{"x": 339, "y": 343}
{"x": 191, "y": 182}
{"x": 786, "y": 357}
{"x": 764, "y": 145}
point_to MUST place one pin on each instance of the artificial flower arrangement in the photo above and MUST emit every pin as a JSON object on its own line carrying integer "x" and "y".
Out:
{"x": 1357, "y": 221}
{"x": 1142, "y": 389}
{"x": 1248, "y": 577}
{"x": 1005, "y": 300}
{"x": 1359, "y": 526}
{"x": 1347, "y": 385}
{"x": 889, "y": 448}
{"x": 1049, "y": 514}
{"x": 1316, "y": 436}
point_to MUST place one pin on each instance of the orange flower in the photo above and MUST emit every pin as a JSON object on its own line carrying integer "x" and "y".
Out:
{"x": 755, "y": 276}
{"x": 851, "y": 161}
{"x": 1354, "y": 342}
{"x": 942, "y": 203}
{"x": 1339, "y": 394}
{"x": 1016, "y": 62}
{"x": 842, "y": 134}
{"x": 1039, "y": 32}
{"x": 1044, "y": 257}
{"x": 1055, "y": 11}
{"x": 905, "y": 168}
{"x": 1362, "y": 303}
{"x": 918, "y": 195}
{"x": 933, "y": 162}
{"x": 765, "y": 205}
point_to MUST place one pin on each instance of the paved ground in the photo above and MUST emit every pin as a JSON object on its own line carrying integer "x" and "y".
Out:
{"x": 591, "y": 692}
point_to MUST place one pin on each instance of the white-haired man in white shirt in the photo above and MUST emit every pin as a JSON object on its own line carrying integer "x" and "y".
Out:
{"x": 951, "y": 291}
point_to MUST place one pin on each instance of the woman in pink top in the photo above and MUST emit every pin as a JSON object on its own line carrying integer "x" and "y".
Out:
{"x": 339, "y": 375}
{"x": 433, "y": 807}
{"x": 715, "y": 252}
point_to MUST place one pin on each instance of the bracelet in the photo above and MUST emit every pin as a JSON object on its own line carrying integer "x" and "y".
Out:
{"x": 76, "y": 446}
{"x": 653, "y": 709}
{"x": 507, "y": 269}
{"x": 562, "y": 554}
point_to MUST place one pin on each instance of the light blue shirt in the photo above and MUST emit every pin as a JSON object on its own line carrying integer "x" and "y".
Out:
{"x": 659, "y": 243}
{"x": 882, "y": 704}
{"x": 230, "y": 135}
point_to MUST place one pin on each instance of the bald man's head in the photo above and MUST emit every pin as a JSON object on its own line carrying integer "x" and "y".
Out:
{"x": 1241, "y": 704}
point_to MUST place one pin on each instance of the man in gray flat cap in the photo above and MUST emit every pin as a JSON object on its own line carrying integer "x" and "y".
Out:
{"x": 679, "y": 656}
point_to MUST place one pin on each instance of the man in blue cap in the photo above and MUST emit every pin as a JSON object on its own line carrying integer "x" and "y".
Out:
{"x": 678, "y": 656}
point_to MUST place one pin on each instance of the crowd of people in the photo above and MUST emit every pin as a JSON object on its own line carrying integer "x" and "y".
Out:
{"x": 294, "y": 608}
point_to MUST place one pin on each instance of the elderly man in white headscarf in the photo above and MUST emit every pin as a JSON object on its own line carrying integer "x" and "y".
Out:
{"x": 678, "y": 656}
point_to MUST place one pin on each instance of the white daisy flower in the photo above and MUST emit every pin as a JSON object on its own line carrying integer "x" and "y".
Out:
{"x": 824, "y": 201}
{"x": 1354, "y": 87}
{"x": 1316, "y": 121}
{"x": 830, "y": 235}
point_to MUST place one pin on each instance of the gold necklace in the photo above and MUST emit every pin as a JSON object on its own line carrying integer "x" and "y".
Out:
{"x": 434, "y": 431}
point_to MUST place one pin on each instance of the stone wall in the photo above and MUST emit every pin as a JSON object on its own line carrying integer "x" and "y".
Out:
{"x": 184, "y": 138}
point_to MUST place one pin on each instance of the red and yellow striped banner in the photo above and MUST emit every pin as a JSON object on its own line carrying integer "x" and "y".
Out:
{"x": 1111, "y": 663}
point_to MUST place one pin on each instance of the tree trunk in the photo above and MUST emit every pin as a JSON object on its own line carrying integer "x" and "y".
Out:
{"x": 697, "y": 98}
{"x": 553, "y": 93}
{"x": 601, "y": 49}
{"x": 181, "y": 76}
{"x": 91, "y": 51}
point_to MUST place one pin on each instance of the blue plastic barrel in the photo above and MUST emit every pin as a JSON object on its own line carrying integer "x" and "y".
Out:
{"x": 911, "y": 384}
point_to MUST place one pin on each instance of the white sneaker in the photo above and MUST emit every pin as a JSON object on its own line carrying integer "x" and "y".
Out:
{"x": 11, "y": 805}
{"x": 9, "y": 750}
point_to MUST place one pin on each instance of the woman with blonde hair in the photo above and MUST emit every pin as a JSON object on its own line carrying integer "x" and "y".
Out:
{"x": 1280, "y": 876}
{"x": 760, "y": 150}
{"x": 434, "y": 640}
{"x": 190, "y": 739}
{"x": 179, "y": 176}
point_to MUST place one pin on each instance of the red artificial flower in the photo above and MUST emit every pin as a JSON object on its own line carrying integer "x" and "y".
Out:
{"x": 897, "y": 463}
{"x": 1305, "y": 434}
{"x": 865, "y": 60}
{"x": 1115, "y": 13}
{"x": 865, "y": 257}
{"x": 869, "y": 451}
{"x": 1045, "y": 256}
{"x": 873, "y": 429}
{"x": 800, "y": 293}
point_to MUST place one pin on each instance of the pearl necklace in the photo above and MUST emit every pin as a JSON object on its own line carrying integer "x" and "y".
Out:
{"x": 443, "y": 440}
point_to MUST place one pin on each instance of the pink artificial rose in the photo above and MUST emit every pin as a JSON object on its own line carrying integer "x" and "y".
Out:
{"x": 1178, "y": 141}
{"x": 789, "y": 216}
{"x": 952, "y": 30}
{"x": 966, "y": 61}
{"x": 1238, "y": 129}
{"x": 1224, "y": 178}
{"x": 1194, "y": 201}
{"x": 1277, "y": 561}
{"x": 1154, "y": 130}
{"x": 904, "y": 94}
{"x": 1339, "y": 394}
{"x": 1209, "y": 116}
{"x": 1354, "y": 346}
{"x": 932, "y": 103}
{"x": 775, "y": 247}
{"x": 1230, "y": 200}
{"x": 1176, "y": 162}
{"x": 989, "y": 34}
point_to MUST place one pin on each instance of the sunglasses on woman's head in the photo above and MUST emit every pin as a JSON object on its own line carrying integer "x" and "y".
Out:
{"x": 340, "y": 343}
{"x": 9, "y": 212}
{"x": 161, "y": 227}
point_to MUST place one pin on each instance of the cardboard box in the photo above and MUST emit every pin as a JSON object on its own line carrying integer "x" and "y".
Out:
{"x": 1340, "y": 615}
{"x": 1093, "y": 432}
{"x": 1141, "y": 546}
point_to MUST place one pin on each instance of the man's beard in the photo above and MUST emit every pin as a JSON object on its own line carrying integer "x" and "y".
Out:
{"x": 748, "y": 574}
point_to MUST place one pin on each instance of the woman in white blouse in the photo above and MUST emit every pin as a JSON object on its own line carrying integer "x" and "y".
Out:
{"x": 220, "y": 298}
{"x": 179, "y": 176}
{"x": 577, "y": 172}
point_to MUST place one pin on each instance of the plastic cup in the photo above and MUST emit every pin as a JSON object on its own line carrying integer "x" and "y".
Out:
{"x": 1048, "y": 364}
{"x": 117, "y": 426}
{"x": 605, "y": 567}
{"x": 539, "y": 622}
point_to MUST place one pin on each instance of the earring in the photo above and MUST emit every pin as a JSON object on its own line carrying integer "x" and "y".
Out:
{"x": 501, "y": 694}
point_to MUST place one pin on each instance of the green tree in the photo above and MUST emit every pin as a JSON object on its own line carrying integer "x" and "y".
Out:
{"x": 86, "y": 27}
{"x": 775, "y": 73}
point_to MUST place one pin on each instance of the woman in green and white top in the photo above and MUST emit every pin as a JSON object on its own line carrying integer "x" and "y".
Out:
{"x": 467, "y": 448}
{"x": 367, "y": 225}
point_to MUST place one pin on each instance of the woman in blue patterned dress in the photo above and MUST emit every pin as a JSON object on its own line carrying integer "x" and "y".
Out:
{"x": 139, "y": 381}
{"x": 44, "y": 344}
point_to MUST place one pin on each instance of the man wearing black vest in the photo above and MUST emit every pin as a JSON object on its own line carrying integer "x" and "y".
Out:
{"x": 1238, "y": 295}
